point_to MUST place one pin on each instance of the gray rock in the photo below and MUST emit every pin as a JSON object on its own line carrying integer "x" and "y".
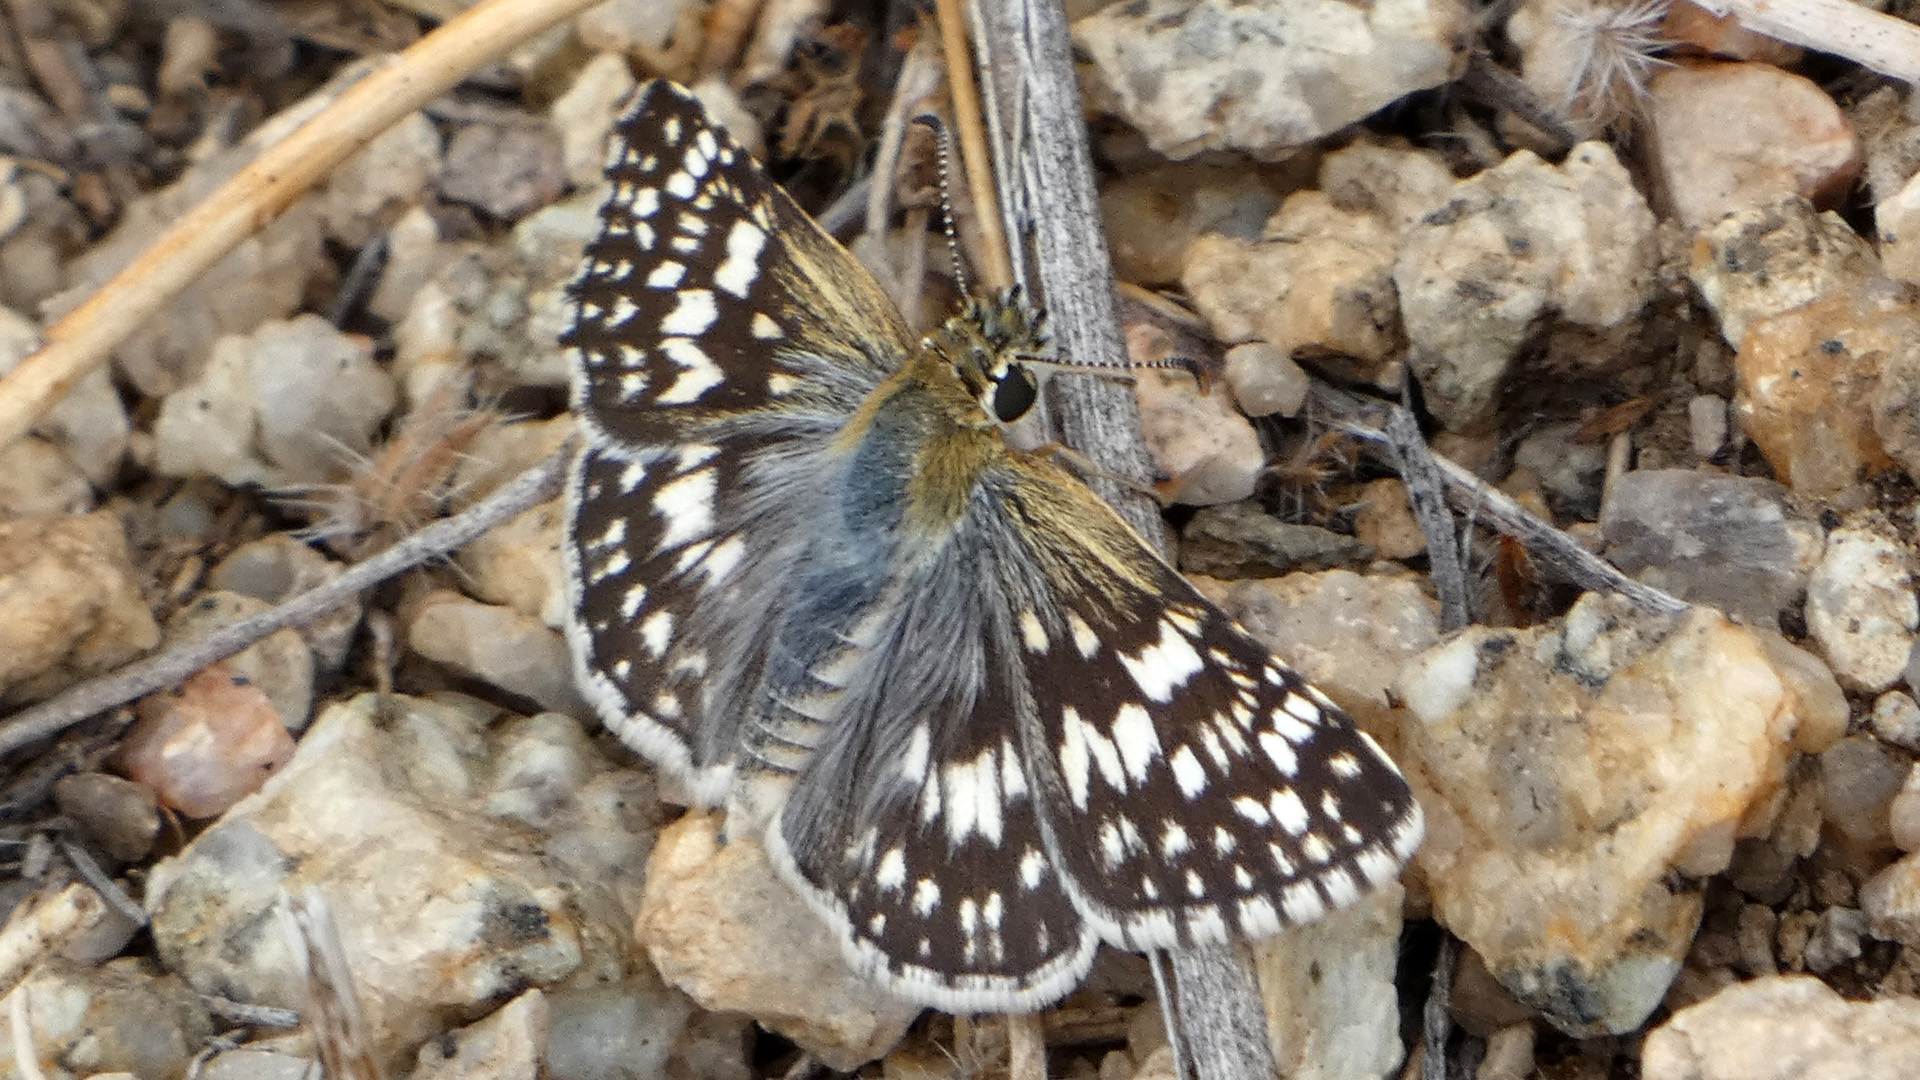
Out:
{"x": 1266, "y": 76}
{"x": 505, "y": 169}
{"x": 1728, "y": 541}
{"x": 1241, "y": 540}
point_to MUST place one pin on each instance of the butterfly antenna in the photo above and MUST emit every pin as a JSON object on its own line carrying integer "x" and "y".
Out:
{"x": 943, "y": 139}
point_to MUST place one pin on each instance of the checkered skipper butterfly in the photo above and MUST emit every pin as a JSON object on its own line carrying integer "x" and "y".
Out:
{"x": 980, "y": 725}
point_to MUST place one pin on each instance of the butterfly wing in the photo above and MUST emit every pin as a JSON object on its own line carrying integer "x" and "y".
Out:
{"x": 1192, "y": 786}
{"x": 914, "y": 831}
{"x": 720, "y": 340}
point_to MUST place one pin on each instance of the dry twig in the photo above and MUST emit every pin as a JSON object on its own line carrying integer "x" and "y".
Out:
{"x": 56, "y": 714}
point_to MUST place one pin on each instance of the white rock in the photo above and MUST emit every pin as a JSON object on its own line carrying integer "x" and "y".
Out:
{"x": 1265, "y": 380}
{"x": 1896, "y": 719}
{"x": 37, "y": 480}
{"x": 1786, "y": 1028}
{"x": 284, "y": 406}
{"x": 1266, "y": 76}
{"x": 1861, "y": 608}
{"x": 1903, "y": 815}
{"x": 1571, "y": 775}
{"x": 441, "y": 908}
{"x": 1707, "y": 424}
{"x": 1332, "y": 1010}
{"x": 1897, "y": 227}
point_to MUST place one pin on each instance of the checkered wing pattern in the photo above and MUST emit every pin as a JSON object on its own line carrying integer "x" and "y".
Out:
{"x": 1194, "y": 787}
{"x": 981, "y": 726}
{"x": 714, "y": 356}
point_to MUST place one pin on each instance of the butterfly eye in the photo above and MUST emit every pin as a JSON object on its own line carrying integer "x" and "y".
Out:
{"x": 1014, "y": 394}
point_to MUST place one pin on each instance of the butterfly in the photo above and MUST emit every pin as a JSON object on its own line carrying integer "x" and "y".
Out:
{"x": 976, "y": 721}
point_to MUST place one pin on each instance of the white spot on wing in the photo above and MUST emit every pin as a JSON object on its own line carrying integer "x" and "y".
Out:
{"x": 1289, "y": 811}
{"x": 656, "y": 633}
{"x": 692, "y": 315}
{"x": 745, "y": 242}
{"x": 1165, "y": 666}
{"x": 686, "y": 504}
{"x": 891, "y": 874}
{"x": 1188, "y": 773}
{"x": 1137, "y": 741}
{"x": 699, "y": 373}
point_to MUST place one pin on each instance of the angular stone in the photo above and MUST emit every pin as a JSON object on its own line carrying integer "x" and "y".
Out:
{"x": 1573, "y": 776}
{"x": 1711, "y": 538}
{"x": 1266, "y": 76}
{"x": 1786, "y": 1028}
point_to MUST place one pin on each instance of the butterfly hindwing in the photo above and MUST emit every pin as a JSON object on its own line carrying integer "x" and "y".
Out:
{"x": 915, "y": 830}
{"x": 1193, "y": 786}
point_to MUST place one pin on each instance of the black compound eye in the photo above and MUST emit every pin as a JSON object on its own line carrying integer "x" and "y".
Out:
{"x": 1014, "y": 394}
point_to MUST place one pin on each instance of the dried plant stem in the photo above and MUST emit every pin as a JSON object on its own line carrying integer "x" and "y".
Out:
{"x": 997, "y": 273}
{"x": 1469, "y": 493}
{"x": 36, "y": 931}
{"x": 55, "y": 715}
{"x": 84, "y": 338}
{"x": 1852, "y": 31}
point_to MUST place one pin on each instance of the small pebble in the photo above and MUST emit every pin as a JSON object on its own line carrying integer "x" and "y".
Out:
{"x": 1903, "y": 814}
{"x": 1896, "y": 719}
{"x": 1707, "y": 424}
{"x": 206, "y": 747}
{"x": 121, "y": 816}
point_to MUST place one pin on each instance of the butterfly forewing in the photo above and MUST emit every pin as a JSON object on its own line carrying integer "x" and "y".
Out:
{"x": 709, "y": 292}
{"x": 713, "y": 359}
{"x": 982, "y": 724}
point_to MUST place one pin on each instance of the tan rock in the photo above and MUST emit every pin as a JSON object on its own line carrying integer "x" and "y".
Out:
{"x": 1786, "y": 1028}
{"x": 71, "y": 606}
{"x": 1727, "y": 136}
{"x": 721, "y": 925}
{"x": 1318, "y": 282}
{"x": 1808, "y": 380}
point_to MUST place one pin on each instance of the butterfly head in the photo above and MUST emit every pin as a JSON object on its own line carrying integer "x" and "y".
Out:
{"x": 989, "y": 344}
